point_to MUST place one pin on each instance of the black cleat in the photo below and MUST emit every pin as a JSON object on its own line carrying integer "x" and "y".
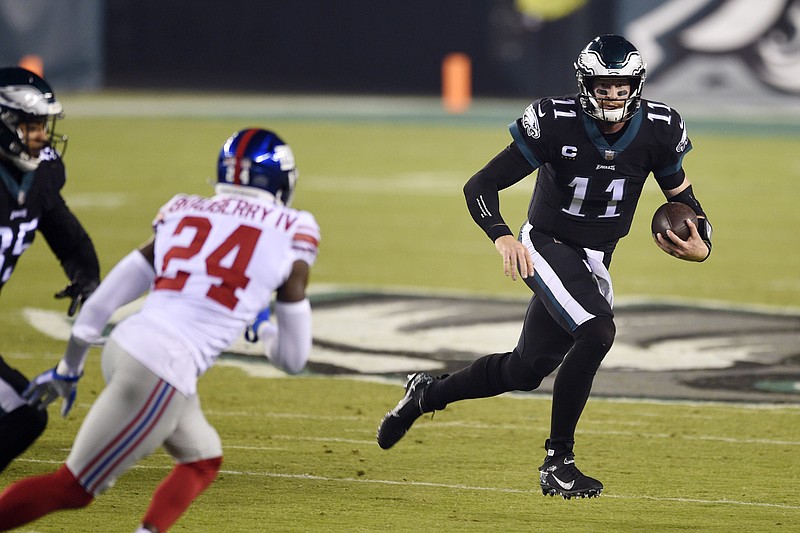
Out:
{"x": 397, "y": 421}
{"x": 559, "y": 475}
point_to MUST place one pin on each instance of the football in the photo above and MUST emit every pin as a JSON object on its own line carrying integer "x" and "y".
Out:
{"x": 673, "y": 216}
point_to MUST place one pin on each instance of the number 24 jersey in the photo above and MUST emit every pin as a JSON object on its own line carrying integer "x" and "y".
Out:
{"x": 218, "y": 262}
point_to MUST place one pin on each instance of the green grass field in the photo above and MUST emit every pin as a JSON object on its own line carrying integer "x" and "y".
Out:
{"x": 384, "y": 180}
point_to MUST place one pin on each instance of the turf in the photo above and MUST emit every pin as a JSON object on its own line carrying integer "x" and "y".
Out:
{"x": 386, "y": 189}
{"x": 312, "y": 464}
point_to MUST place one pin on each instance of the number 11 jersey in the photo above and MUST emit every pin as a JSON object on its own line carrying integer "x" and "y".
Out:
{"x": 588, "y": 184}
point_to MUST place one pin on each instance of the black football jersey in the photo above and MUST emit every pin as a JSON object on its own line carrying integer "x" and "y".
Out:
{"x": 587, "y": 189}
{"x": 32, "y": 202}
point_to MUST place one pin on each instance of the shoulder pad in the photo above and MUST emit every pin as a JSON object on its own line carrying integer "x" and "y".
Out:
{"x": 547, "y": 110}
{"x": 49, "y": 153}
{"x": 667, "y": 124}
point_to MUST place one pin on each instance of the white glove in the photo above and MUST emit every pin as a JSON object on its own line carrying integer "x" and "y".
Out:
{"x": 51, "y": 384}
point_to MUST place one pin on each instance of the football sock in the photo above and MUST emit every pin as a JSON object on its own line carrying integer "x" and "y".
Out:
{"x": 31, "y": 498}
{"x": 178, "y": 490}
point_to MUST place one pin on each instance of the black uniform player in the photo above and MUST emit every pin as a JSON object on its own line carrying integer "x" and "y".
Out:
{"x": 32, "y": 175}
{"x": 594, "y": 151}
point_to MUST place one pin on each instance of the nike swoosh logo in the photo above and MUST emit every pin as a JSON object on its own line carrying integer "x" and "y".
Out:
{"x": 565, "y": 486}
{"x": 539, "y": 110}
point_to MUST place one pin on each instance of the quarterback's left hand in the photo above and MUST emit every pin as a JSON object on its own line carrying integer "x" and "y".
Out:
{"x": 692, "y": 249}
{"x": 51, "y": 384}
{"x": 78, "y": 290}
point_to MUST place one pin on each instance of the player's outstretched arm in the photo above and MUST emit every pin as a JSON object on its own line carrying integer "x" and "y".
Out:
{"x": 128, "y": 280}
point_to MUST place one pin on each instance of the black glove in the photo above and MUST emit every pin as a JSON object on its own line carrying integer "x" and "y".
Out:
{"x": 79, "y": 290}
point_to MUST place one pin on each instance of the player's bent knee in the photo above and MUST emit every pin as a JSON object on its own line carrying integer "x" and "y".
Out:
{"x": 27, "y": 423}
{"x": 600, "y": 331}
{"x": 206, "y": 470}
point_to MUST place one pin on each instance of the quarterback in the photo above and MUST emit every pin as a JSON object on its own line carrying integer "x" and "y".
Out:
{"x": 593, "y": 151}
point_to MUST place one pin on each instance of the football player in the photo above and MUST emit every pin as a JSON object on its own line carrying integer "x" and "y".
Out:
{"x": 211, "y": 265}
{"x": 593, "y": 151}
{"x": 33, "y": 174}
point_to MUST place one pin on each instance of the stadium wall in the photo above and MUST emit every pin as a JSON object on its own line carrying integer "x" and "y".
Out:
{"x": 518, "y": 48}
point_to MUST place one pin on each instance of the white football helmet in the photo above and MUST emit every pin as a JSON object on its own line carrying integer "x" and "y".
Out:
{"x": 610, "y": 56}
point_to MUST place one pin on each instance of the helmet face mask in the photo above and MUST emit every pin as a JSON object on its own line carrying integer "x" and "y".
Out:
{"x": 610, "y": 59}
{"x": 257, "y": 162}
{"x": 25, "y": 98}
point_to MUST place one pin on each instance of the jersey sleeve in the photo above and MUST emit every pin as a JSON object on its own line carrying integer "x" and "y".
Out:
{"x": 305, "y": 241}
{"x": 481, "y": 190}
{"x": 62, "y": 230}
{"x": 530, "y": 131}
{"x": 673, "y": 137}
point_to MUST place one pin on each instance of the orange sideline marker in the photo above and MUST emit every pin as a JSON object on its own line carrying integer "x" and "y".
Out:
{"x": 33, "y": 63}
{"x": 456, "y": 82}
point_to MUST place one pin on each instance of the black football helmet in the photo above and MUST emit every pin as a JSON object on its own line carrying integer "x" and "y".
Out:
{"x": 24, "y": 97}
{"x": 257, "y": 161}
{"x": 610, "y": 56}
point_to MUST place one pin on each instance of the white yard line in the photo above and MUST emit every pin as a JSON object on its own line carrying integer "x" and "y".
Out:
{"x": 454, "y": 486}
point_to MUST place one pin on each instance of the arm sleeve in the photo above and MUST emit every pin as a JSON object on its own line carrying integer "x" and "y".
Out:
{"x": 128, "y": 280}
{"x": 290, "y": 350}
{"x": 675, "y": 139}
{"x": 305, "y": 242}
{"x": 62, "y": 230}
{"x": 71, "y": 244}
{"x": 481, "y": 190}
{"x": 687, "y": 197}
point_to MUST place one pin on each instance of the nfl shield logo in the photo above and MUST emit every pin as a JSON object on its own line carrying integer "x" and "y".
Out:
{"x": 610, "y": 154}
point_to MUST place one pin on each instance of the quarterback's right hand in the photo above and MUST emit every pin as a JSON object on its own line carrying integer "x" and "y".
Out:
{"x": 51, "y": 384}
{"x": 516, "y": 257}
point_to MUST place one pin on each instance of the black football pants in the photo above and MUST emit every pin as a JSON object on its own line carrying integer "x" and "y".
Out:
{"x": 22, "y": 425}
{"x": 549, "y": 338}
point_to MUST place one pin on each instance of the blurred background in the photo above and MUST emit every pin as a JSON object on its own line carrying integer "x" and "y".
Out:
{"x": 734, "y": 49}
{"x": 151, "y": 88}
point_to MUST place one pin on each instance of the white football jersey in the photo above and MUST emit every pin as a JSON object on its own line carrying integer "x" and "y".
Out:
{"x": 218, "y": 261}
